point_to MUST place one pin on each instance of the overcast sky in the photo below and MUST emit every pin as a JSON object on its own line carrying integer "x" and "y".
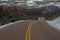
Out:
{"x": 36, "y": 0}
{"x": 3, "y": 0}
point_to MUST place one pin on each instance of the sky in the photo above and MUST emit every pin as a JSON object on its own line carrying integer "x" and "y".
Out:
{"x": 31, "y": 0}
{"x": 3, "y": 0}
{"x": 36, "y": 0}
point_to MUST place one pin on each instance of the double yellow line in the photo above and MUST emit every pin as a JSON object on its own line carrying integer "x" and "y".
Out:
{"x": 28, "y": 32}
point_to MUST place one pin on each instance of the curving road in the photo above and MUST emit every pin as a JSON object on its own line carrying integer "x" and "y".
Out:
{"x": 30, "y": 30}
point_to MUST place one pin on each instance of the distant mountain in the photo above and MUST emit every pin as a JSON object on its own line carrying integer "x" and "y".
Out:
{"x": 33, "y": 11}
{"x": 42, "y": 10}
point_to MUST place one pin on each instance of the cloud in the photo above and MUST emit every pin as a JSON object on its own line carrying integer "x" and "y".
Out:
{"x": 36, "y": 0}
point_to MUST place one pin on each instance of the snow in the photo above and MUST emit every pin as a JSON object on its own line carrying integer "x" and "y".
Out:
{"x": 3, "y": 26}
{"x": 55, "y": 23}
{"x": 30, "y": 3}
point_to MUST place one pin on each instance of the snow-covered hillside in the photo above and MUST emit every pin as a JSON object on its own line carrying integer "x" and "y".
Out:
{"x": 55, "y": 23}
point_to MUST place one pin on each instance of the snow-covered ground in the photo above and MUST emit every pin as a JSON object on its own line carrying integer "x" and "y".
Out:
{"x": 55, "y": 23}
{"x": 10, "y": 24}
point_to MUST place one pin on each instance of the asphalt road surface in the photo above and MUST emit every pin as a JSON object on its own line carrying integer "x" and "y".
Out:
{"x": 30, "y": 30}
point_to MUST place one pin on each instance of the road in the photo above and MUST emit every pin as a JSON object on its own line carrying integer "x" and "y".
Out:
{"x": 30, "y": 30}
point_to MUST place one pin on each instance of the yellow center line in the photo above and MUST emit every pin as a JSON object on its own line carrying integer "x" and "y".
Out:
{"x": 28, "y": 32}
